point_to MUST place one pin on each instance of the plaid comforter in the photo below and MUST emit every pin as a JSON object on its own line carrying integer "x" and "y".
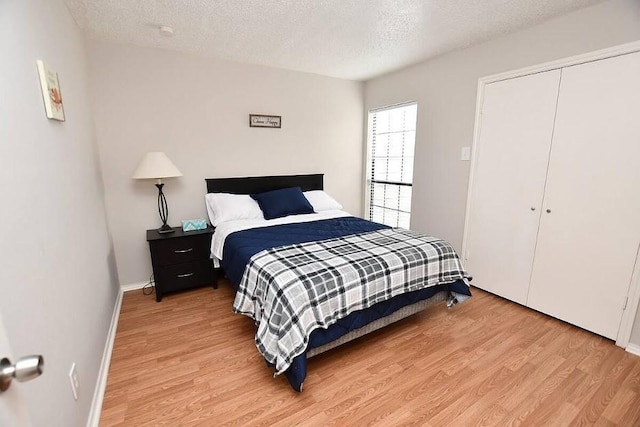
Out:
{"x": 291, "y": 290}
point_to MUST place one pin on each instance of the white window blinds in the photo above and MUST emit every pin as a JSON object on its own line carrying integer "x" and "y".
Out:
{"x": 392, "y": 136}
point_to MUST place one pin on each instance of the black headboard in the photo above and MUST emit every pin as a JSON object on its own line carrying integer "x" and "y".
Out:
{"x": 260, "y": 184}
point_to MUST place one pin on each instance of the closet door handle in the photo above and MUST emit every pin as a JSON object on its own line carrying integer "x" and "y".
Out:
{"x": 533, "y": 208}
{"x": 548, "y": 210}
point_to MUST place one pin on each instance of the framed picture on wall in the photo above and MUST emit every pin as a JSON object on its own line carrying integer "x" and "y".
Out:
{"x": 264, "y": 121}
{"x": 51, "y": 93}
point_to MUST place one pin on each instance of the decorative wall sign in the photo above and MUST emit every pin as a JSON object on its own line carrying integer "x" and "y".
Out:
{"x": 262, "y": 121}
{"x": 51, "y": 92}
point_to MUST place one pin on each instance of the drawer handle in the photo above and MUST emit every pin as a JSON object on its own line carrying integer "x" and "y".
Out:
{"x": 185, "y": 275}
{"x": 182, "y": 251}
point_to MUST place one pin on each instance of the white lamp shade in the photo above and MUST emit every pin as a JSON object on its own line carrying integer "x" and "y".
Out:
{"x": 156, "y": 165}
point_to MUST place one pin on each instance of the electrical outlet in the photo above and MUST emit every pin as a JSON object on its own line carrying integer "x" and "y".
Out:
{"x": 73, "y": 378}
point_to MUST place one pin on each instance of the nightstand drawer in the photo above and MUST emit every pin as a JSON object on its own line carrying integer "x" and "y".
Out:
{"x": 181, "y": 260}
{"x": 184, "y": 276}
{"x": 186, "y": 249}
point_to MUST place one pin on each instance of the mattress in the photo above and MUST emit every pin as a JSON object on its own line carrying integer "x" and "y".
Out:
{"x": 239, "y": 246}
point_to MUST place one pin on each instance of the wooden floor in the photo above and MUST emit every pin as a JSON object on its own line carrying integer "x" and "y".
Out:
{"x": 189, "y": 361}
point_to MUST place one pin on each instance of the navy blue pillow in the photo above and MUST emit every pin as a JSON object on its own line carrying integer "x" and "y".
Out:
{"x": 283, "y": 202}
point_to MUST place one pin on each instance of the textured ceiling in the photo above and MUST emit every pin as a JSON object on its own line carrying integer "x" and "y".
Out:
{"x": 351, "y": 39}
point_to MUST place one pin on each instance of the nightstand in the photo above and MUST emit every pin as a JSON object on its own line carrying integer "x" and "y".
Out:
{"x": 181, "y": 260}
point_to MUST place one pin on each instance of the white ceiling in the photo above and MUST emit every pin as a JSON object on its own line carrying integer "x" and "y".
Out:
{"x": 350, "y": 39}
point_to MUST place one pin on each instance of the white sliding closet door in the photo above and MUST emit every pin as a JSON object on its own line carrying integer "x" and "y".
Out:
{"x": 588, "y": 242}
{"x": 511, "y": 163}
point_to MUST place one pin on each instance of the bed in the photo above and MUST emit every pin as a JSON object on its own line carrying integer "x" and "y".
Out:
{"x": 319, "y": 279}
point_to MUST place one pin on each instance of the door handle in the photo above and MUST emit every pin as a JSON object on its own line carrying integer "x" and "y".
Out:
{"x": 25, "y": 369}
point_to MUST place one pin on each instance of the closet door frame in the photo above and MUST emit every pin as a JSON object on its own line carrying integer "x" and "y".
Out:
{"x": 633, "y": 294}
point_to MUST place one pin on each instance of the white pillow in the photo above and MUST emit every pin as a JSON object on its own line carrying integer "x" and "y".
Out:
{"x": 224, "y": 207}
{"x": 321, "y": 201}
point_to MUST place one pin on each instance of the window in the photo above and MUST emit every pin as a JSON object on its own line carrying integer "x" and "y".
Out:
{"x": 392, "y": 137}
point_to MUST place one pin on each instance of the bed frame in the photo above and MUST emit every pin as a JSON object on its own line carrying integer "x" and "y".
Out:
{"x": 259, "y": 184}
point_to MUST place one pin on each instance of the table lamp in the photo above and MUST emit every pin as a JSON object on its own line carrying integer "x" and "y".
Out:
{"x": 156, "y": 165}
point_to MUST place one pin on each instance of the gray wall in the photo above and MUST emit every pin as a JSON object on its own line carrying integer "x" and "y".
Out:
{"x": 58, "y": 279}
{"x": 445, "y": 89}
{"x": 196, "y": 110}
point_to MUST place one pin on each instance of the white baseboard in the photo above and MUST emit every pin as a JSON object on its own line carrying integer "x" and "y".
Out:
{"x": 101, "y": 383}
{"x": 633, "y": 349}
{"x": 133, "y": 286}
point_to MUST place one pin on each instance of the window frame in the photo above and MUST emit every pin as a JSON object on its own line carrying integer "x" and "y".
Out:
{"x": 368, "y": 181}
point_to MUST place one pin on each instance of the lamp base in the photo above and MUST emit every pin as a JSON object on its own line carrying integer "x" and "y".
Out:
{"x": 165, "y": 229}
